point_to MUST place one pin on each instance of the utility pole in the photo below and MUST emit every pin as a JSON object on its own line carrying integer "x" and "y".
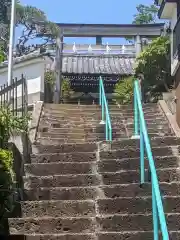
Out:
{"x": 11, "y": 43}
{"x": 59, "y": 59}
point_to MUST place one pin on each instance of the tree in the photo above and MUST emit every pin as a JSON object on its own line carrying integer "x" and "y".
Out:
{"x": 35, "y": 25}
{"x": 145, "y": 14}
{"x": 155, "y": 65}
{"x": 123, "y": 91}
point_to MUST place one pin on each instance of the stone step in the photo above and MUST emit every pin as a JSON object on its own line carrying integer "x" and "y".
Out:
{"x": 80, "y": 208}
{"x": 134, "y": 222}
{"x": 117, "y": 223}
{"x": 135, "y": 152}
{"x": 134, "y": 143}
{"x": 58, "y": 123}
{"x": 82, "y": 180}
{"x": 93, "y": 137}
{"x": 94, "y": 106}
{"x": 37, "y": 209}
{"x": 58, "y": 193}
{"x": 95, "y": 116}
{"x": 64, "y": 157}
{"x": 52, "y": 225}
{"x": 91, "y": 112}
{"x": 62, "y": 180}
{"x": 44, "y": 169}
{"x": 100, "y": 129}
{"x": 130, "y": 235}
{"x": 133, "y": 176}
{"x": 64, "y": 148}
{"x": 101, "y": 191}
{"x": 134, "y": 164}
{"x": 136, "y": 205}
{"x": 134, "y": 235}
{"x": 67, "y": 236}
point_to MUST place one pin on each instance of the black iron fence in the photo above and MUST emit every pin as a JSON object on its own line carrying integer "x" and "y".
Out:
{"x": 15, "y": 96}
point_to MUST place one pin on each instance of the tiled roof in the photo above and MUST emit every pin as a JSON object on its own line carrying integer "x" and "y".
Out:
{"x": 87, "y": 64}
{"x": 104, "y": 64}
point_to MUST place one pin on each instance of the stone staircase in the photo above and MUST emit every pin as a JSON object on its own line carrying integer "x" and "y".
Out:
{"x": 78, "y": 187}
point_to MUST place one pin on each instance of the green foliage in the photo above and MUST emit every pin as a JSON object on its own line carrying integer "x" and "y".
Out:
{"x": 1, "y": 55}
{"x": 10, "y": 124}
{"x": 124, "y": 91}
{"x": 66, "y": 88}
{"x": 145, "y": 14}
{"x": 155, "y": 64}
{"x": 7, "y": 202}
{"x": 50, "y": 77}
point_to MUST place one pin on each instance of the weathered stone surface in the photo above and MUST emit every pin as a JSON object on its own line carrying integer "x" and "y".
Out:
{"x": 130, "y": 235}
{"x": 134, "y": 153}
{"x": 61, "y": 181}
{"x": 75, "y": 193}
{"x": 44, "y": 169}
{"x": 137, "y": 222}
{"x": 64, "y": 148}
{"x": 133, "y": 176}
{"x": 136, "y": 205}
{"x": 72, "y": 236}
{"x": 54, "y": 209}
{"x": 132, "y": 143}
{"x": 136, "y": 190}
{"x": 51, "y": 225}
{"x": 87, "y": 190}
{"x": 133, "y": 164}
{"x": 64, "y": 157}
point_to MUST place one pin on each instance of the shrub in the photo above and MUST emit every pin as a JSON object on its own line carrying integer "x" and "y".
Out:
{"x": 124, "y": 91}
{"x": 7, "y": 202}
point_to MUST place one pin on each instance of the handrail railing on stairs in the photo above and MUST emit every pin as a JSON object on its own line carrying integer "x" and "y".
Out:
{"x": 140, "y": 131}
{"x": 105, "y": 117}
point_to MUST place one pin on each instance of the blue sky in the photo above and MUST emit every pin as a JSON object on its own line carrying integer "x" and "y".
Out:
{"x": 84, "y": 11}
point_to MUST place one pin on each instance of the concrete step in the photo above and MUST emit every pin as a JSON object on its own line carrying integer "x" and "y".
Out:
{"x": 64, "y": 157}
{"x": 117, "y": 223}
{"x": 66, "y": 236}
{"x": 134, "y": 222}
{"x": 52, "y": 225}
{"x": 136, "y": 205}
{"x": 134, "y": 164}
{"x": 97, "y": 111}
{"x": 134, "y": 235}
{"x": 130, "y": 235}
{"x": 60, "y": 193}
{"x": 101, "y": 191}
{"x": 94, "y": 107}
{"x": 106, "y": 178}
{"x": 135, "y": 152}
{"x": 61, "y": 180}
{"x": 133, "y": 143}
{"x": 64, "y": 148}
{"x": 37, "y": 209}
{"x": 90, "y": 117}
{"x": 63, "y": 123}
{"x": 167, "y": 175}
{"x": 80, "y": 208}
{"x": 44, "y": 169}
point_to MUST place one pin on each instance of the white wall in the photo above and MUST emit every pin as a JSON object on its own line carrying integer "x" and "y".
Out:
{"x": 174, "y": 61}
{"x": 31, "y": 69}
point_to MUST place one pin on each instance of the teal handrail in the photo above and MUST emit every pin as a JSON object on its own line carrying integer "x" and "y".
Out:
{"x": 157, "y": 205}
{"x": 105, "y": 110}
